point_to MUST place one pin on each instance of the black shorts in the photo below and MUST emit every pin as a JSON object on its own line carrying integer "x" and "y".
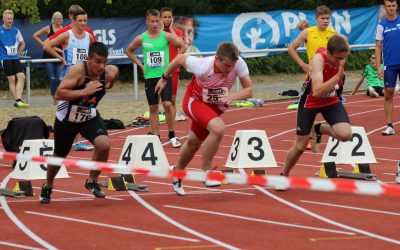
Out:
{"x": 65, "y": 132}
{"x": 333, "y": 114}
{"x": 378, "y": 90}
{"x": 12, "y": 67}
{"x": 152, "y": 97}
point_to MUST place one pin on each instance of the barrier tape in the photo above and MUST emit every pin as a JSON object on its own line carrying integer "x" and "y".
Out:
{"x": 311, "y": 183}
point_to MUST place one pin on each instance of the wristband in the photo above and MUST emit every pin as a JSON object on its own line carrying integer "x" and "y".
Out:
{"x": 163, "y": 77}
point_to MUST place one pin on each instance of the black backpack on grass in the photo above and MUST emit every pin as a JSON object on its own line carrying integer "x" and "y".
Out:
{"x": 23, "y": 128}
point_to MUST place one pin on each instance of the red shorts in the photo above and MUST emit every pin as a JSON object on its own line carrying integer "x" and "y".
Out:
{"x": 201, "y": 114}
{"x": 175, "y": 81}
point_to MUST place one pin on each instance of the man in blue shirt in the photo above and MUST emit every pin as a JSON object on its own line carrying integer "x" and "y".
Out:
{"x": 387, "y": 38}
{"x": 11, "y": 47}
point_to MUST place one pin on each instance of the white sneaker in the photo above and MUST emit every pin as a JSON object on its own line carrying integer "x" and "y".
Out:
{"x": 177, "y": 185}
{"x": 372, "y": 92}
{"x": 315, "y": 138}
{"x": 180, "y": 116}
{"x": 211, "y": 183}
{"x": 398, "y": 177}
{"x": 397, "y": 89}
{"x": 388, "y": 131}
{"x": 175, "y": 142}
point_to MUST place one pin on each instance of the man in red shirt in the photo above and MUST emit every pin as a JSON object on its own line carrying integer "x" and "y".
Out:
{"x": 168, "y": 25}
{"x": 319, "y": 96}
{"x": 71, "y": 11}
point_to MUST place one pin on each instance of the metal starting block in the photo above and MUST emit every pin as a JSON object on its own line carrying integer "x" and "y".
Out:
{"x": 124, "y": 182}
{"x": 360, "y": 172}
{"x": 12, "y": 193}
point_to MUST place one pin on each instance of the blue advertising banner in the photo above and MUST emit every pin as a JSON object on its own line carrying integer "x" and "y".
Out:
{"x": 277, "y": 29}
{"x": 249, "y": 31}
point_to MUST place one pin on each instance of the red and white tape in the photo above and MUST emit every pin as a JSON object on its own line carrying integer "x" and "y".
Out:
{"x": 312, "y": 183}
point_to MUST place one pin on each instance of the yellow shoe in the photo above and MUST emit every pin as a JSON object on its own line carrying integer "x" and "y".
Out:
{"x": 21, "y": 104}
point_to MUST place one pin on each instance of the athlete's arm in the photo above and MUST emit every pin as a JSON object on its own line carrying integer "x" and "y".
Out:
{"x": 319, "y": 87}
{"x": 36, "y": 36}
{"x": 112, "y": 74}
{"x": 74, "y": 78}
{"x": 21, "y": 47}
{"x": 244, "y": 93}
{"x": 300, "y": 39}
{"x": 179, "y": 60}
{"x": 378, "y": 56}
{"x": 50, "y": 46}
{"x": 136, "y": 43}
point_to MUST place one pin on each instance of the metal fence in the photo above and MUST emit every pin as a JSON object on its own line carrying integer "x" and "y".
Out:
{"x": 29, "y": 61}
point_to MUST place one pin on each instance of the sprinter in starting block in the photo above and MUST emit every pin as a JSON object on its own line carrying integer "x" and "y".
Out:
{"x": 319, "y": 96}
{"x": 207, "y": 97}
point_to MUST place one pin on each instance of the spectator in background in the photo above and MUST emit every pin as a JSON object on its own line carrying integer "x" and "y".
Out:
{"x": 387, "y": 36}
{"x": 167, "y": 25}
{"x": 303, "y": 24}
{"x": 54, "y": 70}
{"x": 12, "y": 46}
{"x": 374, "y": 84}
{"x": 188, "y": 25}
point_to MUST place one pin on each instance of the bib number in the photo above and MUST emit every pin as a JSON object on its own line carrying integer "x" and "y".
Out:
{"x": 79, "y": 55}
{"x": 213, "y": 96}
{"x": 155, "y": 59}
{"x": 80, "y": 114}
{"x": 12, "y": 50}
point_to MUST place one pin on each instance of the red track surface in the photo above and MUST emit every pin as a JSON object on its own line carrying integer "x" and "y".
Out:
{"x": 232, "y": 216}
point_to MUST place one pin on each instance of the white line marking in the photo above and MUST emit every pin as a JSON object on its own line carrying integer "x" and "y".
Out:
{"x": 319, "y": 217}
{"x": 208, "y": 189}
{"x": 76, "y": 193}
{"x": 260, "y": 220}
{"x": 113, "y": 226}
{"x": 19, "y": 223}
{"x": 351, "y": 207}
{"x": 179, "y": 225}
{"x": 18, "y": 245}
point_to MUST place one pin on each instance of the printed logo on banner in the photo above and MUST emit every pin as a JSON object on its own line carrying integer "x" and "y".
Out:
{"x": 255, "y": 31}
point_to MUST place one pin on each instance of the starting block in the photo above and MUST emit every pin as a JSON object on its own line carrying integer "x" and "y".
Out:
{"x": 29, "y": 170}
{"x": 21, "y": 189}
{"x": 360, "y": 172}
{"x": 124, "y": 182}
{"x": 250, "y": 149}
{"x": 143, "y": 151}
{"x": 258, "y": 172}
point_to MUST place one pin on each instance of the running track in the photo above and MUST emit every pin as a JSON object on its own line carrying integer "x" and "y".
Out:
{"x": 231, "y": 216}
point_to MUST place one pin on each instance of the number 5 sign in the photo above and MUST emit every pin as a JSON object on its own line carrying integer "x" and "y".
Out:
{"x": 357, "y": 150}
{"x": 250, "y": 149}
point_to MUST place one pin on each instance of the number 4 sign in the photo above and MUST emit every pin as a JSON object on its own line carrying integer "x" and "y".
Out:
{"x": 357, "y": 150}
{"x": 143, "y": 151}
{"x": 250, "y": 149}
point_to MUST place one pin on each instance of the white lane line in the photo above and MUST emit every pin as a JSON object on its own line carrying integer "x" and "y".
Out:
{"x": 14, "y": 245}
{"x": 128, "y": 229}
{"x": 260, "y": 220}
{"x": 179, "y": 225}
{"x": 206, "y": 189}
{"x": 351, "y": 207}
{"x": 319, "y": 217}
{"x": 19, "y": 223}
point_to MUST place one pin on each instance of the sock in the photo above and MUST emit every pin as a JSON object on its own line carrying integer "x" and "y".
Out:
{"x": 318, "y": 128}
{"x": 390, "y": 125}
{"x": 171, "y": 134}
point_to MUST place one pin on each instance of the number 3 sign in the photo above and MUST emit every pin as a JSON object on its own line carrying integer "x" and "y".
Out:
{"x": 250, "y": 149}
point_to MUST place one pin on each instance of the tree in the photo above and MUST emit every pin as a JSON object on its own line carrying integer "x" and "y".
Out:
{"x": 23, "y": 8}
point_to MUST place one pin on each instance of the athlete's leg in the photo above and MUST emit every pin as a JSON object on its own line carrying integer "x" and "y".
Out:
{"x": 154, "y": 121}
{"x": 294, "y": 153}
{"x": 188, "y": 150}
{"x": 217, "y": 128}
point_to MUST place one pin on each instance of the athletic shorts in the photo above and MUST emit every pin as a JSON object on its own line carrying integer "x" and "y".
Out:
{"x": 175, "y": 82}
{"x": 333, "y": 114}
{"x": 65, "y": 132}
{"x": 201, "y": 114}
{"x": 390, "y": 76}
{"x": 378, "y": 90}
{"x": 12, "y": 67}
{"x": 152, "y": 97}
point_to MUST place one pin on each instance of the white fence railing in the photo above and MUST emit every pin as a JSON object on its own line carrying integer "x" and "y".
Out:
{"x": 135, "y": 68}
